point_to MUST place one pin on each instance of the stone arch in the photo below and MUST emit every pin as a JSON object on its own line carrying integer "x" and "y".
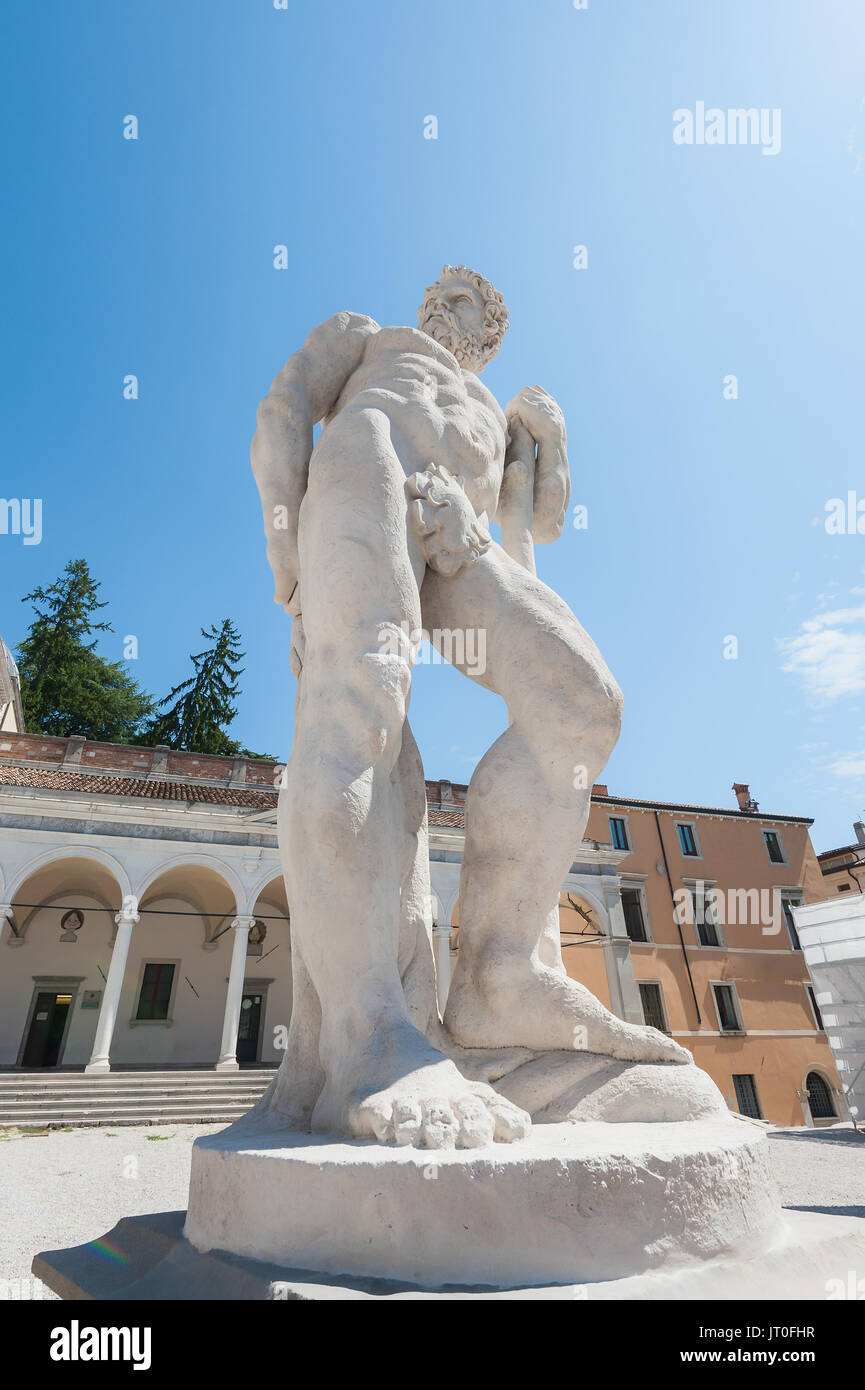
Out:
{"x": 208, "y": 885}
{"x": 218, "y": 867}
{"x": 55, "y": 856}
{"x": 591, "y": 900}
{"x": 62, "y": 873}
{"x": 271, "y": 877}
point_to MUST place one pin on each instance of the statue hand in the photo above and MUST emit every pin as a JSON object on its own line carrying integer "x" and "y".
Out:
{"x": 540, "y": 414}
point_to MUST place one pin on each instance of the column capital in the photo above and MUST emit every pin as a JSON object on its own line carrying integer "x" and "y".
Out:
{"x": 243, "y": 923}
{"x": 7, "y": 914}
{"x": 128, "y": 914}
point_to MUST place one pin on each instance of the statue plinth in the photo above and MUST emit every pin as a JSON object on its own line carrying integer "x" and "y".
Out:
{"x": 571, "y": 1203}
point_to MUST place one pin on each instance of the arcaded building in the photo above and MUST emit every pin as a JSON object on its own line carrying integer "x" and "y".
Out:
{"x": 146, "y": 925}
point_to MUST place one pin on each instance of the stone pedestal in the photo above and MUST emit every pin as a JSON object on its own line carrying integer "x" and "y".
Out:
{"x": 571, "y": 1204}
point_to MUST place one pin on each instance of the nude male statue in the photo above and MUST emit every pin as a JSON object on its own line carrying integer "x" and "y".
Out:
{"x": 378, "y": 531}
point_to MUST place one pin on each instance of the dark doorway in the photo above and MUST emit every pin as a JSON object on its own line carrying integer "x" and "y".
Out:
{"x": 819, "y": 1098}
{"x": 47, "y": 1027}
{"x": 247, "y": 1033}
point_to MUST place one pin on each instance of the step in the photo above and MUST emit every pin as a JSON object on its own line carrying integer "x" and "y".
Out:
{"x": 131, "y": 1078}
{"x": 109, "y": 1120}
{"x": 132, "y": 1098}
{"x": 190, "y": 1089}
{"x": 31, "y": 1114}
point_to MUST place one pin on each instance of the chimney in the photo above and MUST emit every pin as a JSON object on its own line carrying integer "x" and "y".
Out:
{"x": 859, "y": 831}
{"x": 743, "y": 796}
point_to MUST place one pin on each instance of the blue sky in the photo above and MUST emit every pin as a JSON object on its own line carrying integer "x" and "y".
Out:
{"x": 304, "y": 126}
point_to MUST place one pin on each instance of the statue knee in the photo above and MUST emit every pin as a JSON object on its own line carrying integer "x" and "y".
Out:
{"x": 590, "y": 716}
{"x": 372, "y": 705}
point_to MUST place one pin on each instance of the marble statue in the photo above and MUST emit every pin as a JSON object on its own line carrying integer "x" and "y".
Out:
{"x": 619, "y": 1171}
{"x": 377, "y": 532}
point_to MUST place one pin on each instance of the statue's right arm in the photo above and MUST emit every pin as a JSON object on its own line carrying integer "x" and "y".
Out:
{"x": 304, "y": 392}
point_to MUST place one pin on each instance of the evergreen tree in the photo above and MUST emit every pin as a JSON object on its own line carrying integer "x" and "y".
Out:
{"x": 204, "y": 704}
{"x": 66, "y": 688}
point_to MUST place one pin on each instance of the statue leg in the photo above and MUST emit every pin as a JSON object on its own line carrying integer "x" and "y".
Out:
{"x": 526, "y": 811}
{"x": 342, "y": 814}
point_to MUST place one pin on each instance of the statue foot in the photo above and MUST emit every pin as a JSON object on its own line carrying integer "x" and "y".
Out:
{"x": 533, "y": 1006}
{"x": 400, "y": 1090}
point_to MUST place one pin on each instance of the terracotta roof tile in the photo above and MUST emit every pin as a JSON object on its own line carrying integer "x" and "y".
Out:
{"x": 134, "y": 786}
{"x": 165, "y": 790}
{"x": 437, "y": 817}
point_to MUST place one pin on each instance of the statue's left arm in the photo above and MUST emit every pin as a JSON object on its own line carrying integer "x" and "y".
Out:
{"x": 535, "y": 493}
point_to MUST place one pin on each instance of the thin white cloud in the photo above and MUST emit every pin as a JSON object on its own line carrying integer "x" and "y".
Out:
{"x": 849, "y": 765}
{"x": 828, "y": 655}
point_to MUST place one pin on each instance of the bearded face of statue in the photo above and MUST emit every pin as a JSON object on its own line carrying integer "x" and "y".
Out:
{"x": 456, "y": 314}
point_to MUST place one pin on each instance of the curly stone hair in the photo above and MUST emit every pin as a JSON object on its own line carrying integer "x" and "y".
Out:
{"x": 495, "y": 311}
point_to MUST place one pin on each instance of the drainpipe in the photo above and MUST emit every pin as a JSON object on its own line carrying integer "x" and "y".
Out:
{"x": 676, "y": 920}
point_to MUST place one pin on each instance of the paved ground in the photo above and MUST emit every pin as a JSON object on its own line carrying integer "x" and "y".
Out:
{"x": 65, "y": 1187}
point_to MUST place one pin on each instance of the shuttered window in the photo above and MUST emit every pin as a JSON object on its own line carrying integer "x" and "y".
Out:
{"x": 747, "y": 1100}
{"x": 155, "y": 991}
{"x": 653, "y": 1006}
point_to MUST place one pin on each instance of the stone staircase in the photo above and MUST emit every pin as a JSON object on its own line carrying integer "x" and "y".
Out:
{"x": 55, "y": 1100}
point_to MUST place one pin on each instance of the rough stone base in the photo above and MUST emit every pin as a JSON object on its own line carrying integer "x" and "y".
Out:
{"x": 157, "y": 1264}
{"x": 571, "y": 1203}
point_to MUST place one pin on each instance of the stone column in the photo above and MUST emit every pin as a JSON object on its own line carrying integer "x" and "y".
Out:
{"x": 442, "y": 944}
{"x": 231, "y": 1020}
{"x": 624, "y": 994}
{"x": 125, "y": 920}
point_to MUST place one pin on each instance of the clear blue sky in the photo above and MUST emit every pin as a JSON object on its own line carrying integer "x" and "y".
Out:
{"x": 305, "y": 127}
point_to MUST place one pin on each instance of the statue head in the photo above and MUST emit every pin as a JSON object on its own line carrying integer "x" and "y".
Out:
{"x": 466, "y": 314}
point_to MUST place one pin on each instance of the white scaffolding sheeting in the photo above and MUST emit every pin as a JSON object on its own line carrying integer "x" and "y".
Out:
{"x": 832, "y": 935}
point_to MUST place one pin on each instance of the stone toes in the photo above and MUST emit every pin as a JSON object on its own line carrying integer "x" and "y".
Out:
{"x": 439, "y": 1128}
{"x": 510, "y": 1121}
{"x": 476, "y": 1124}
{"x": 374, "y": 1120}
{"x": 406, "y": 1120}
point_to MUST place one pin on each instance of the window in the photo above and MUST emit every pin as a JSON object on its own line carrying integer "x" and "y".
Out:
{"x": 705, "y": 918}
{"x": 819, "y": 1097}
{"x": 688, "y": 841}
{"x": 652, "y": 1000}
{"x": 619, "y": 832}
{"x": 787, "y": 904}
{"x": 728, "y": 1014}
{"x": 155, "y": 991}
{"x": 747, "y": 1099}
{"x": 632, "y": 906}
{"x": 774, "y": 847}
{"x": 818, "y": 1017}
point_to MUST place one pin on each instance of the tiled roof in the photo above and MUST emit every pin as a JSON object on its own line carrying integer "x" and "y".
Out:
{"x": 19, "y": 775}
{"x": 455, "y": 817}
{"x": 134, "y": 786}
{"x": 94, "y": 782}
{"x": 844, "y": 849}
{"x": 734, "y": 813}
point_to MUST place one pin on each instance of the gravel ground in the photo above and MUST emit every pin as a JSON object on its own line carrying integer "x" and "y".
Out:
{"x": 64, "y": 1187}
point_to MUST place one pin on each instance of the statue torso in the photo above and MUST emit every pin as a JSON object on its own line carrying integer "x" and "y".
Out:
{"x": 438, "y": 412}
